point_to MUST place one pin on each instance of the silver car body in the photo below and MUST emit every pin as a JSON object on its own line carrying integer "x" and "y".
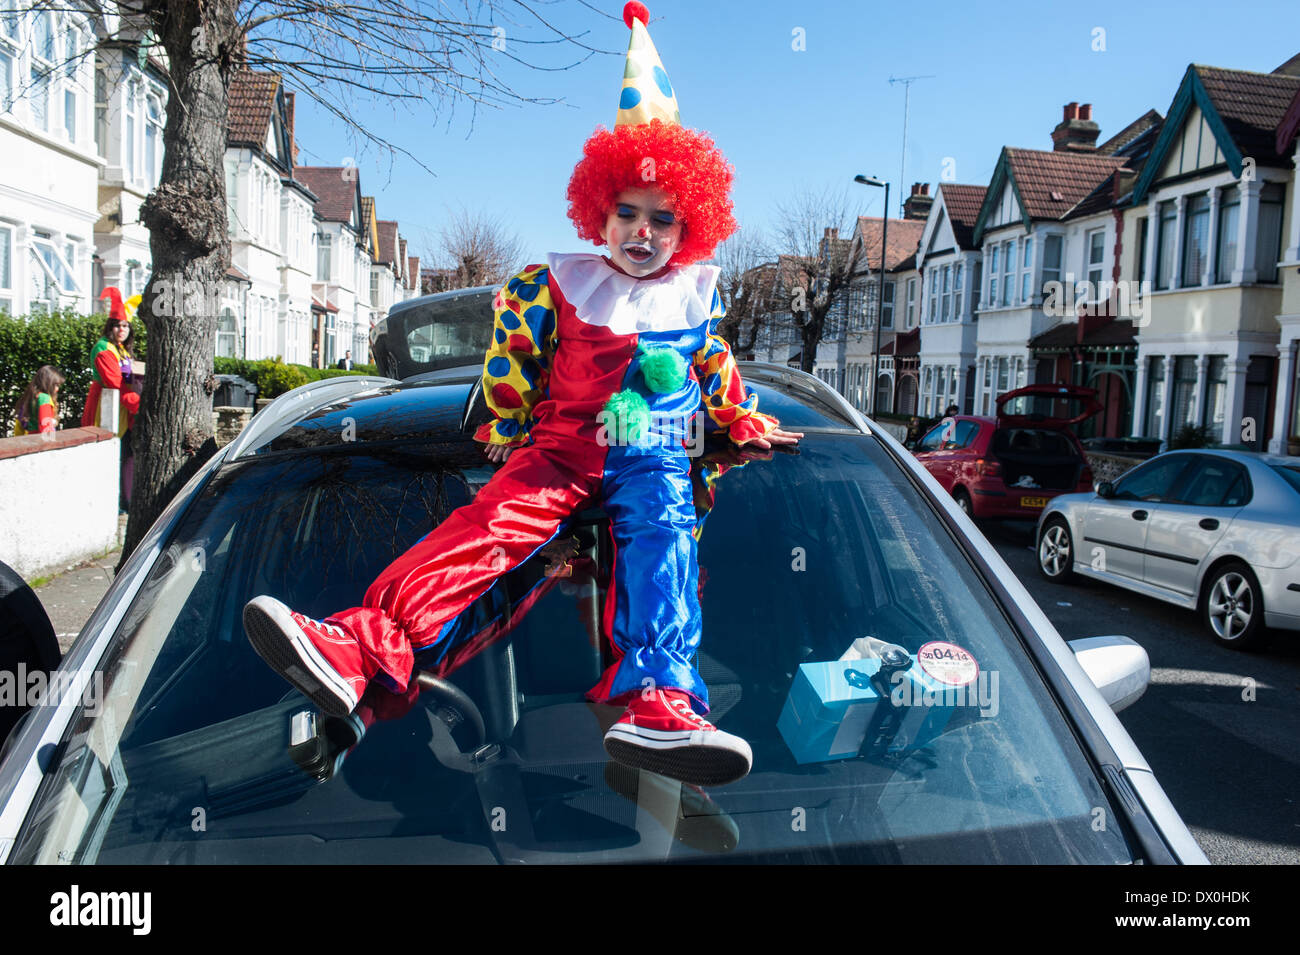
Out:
{"x": 1155, "y": 822}
{"x": 1168, "y": 553}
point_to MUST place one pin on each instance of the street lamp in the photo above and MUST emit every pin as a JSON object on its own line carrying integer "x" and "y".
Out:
{"x": 880, "y": 299}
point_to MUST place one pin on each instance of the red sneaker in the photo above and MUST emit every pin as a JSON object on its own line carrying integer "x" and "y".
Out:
{"x": 665, "y": 735}
{"x": 319, "y": 658}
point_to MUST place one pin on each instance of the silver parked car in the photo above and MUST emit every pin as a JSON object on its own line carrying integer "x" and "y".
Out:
{"x": 1217, "y": 532}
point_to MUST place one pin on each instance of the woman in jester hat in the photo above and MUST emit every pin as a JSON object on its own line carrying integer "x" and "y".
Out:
{"x": 111, "y": 370}
{"x": 598, "y": 364}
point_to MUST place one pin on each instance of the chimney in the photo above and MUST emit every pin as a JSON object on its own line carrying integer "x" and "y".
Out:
{"x": 293, "y": 143}
{"x": 1076, "y": 132}
{"x": 917, "y": 205}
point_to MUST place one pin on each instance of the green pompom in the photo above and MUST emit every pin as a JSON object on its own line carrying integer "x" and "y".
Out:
{"x": 626, "y": 418}
{"x": 663, "y": 369}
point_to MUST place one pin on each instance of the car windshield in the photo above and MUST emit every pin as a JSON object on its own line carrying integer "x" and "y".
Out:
{"x": 807, "y": 561}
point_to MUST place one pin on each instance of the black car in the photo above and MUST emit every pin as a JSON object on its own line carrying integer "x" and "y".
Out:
{"x": 434, "y": 333}
{"x": 806, "y": 557}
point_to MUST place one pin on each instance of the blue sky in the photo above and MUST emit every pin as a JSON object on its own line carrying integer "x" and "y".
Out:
{"x": 792, "y": 119}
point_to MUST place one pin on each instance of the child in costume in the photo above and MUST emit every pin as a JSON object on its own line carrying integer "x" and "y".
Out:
{"x": 597, "y": 365}
{"x": 38, "y": 409}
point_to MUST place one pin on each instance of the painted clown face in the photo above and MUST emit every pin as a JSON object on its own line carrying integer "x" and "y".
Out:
{"x": 642, "y": 231}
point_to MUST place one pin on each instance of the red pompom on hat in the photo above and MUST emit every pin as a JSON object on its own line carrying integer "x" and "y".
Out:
{"x": 635, "y": 11}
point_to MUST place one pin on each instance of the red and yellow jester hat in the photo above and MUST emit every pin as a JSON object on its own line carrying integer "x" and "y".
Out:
{"x": 648, "y": 146}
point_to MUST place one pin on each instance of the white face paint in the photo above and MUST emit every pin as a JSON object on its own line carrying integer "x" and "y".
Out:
{"x": 641, "y": 231}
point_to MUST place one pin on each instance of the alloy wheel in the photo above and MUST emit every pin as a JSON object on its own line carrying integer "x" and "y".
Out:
{"x": 1054, "y": 550}
{"x": 1231, "y": 604}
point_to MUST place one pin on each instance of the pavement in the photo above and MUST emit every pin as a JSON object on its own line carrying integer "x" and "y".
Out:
{"x": 70, "y": 596}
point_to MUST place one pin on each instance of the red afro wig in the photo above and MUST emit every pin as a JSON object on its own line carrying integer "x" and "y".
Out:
{"x": 684, "y": 163}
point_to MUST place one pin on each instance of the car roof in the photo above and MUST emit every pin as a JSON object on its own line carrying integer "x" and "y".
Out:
{"x": 437, "y": 409}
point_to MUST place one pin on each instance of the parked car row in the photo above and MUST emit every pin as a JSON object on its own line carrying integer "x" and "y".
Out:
{"x": 1214, "y": 531}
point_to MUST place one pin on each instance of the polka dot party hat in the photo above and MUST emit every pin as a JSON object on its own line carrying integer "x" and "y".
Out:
{"x": 647, "y": 93}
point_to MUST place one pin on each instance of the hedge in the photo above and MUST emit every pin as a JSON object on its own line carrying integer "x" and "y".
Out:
{"x": 273, "y": 376}
{"x": 64, "y": 339}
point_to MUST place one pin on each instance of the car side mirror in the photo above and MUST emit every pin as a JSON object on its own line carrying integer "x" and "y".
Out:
{"x": 1105, "y": 489}
{"x": 1118, "y": 667}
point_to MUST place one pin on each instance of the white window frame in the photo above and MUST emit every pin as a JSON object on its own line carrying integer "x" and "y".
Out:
{"x": 1094, "y": 271}
{"x": 994, "y": 275}
{"x": 153, "y": 133}
{"x": 1027, "y": 271}
{"x": 958, "y": 290}
{"x": 1008, "y": 273}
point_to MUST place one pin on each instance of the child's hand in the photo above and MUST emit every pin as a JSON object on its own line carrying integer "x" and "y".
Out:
{"x": 777, "y": 436}
{"x": 497, "y": 453}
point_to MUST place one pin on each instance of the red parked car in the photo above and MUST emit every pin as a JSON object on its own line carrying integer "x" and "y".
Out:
{"x": 1011, "y": 466}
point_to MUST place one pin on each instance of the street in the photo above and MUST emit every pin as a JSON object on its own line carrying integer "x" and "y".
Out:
{"x": 1218, "y": 727}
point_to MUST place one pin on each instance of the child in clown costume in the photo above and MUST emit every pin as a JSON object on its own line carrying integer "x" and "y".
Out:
{"x": 597, "y": 365}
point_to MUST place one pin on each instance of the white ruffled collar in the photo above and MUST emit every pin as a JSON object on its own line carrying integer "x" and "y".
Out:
{"x": 602, "y": 295}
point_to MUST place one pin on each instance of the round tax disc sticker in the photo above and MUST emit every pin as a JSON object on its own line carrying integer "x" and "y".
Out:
{"x": 948, "y": 663}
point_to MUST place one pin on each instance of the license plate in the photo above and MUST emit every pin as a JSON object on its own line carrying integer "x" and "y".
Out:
{"x": 1033, "y": 502}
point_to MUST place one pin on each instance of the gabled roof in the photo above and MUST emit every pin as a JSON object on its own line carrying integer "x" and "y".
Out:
{"x": 1048, "y": 185}
{"x": 412, "y": 271}
{"x": 903, "y": 237}
{"x": 1242, "y": 109}
{"x": 387, "y": 252}
{"x": 337, "y": 190}
{"x": 1130, "y": 133}
{"x": 252, "y": 98}
{"x": 963, "y": 203}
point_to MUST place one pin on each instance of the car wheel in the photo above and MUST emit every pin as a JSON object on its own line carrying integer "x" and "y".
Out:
{"x": 963, "y": 501}
{"x": 1056, "y": 551}
{"x": 1232, "y": 607}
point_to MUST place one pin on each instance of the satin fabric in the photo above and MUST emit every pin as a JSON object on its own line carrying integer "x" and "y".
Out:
{"x": 652, "y": 614}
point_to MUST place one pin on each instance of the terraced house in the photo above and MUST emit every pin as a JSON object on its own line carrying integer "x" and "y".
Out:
{"x": 1219, "y": 196}
{"x": 947, "y": 297}
{"x": 51, "y": 160}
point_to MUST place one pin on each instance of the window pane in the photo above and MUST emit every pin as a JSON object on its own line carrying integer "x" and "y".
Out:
{"x": 1225, "y": 255}
{"x": 1153, "y": 481}
{"x": 1195, "y": 233}
{"x": 1269, "y": 244}
{"x": 1165, "y": 253}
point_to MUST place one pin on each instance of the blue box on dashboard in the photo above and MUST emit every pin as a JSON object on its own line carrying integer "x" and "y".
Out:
{"x": 831, "y": 706}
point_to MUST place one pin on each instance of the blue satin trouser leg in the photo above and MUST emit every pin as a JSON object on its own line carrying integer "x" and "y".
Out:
{"x": 657, "y": 621}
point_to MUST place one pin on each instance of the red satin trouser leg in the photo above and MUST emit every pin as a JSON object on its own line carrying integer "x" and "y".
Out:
{"x": 517, "y": 512}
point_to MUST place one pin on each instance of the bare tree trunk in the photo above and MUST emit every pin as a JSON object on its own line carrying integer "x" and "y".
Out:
{"x": 186, "y": 218}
